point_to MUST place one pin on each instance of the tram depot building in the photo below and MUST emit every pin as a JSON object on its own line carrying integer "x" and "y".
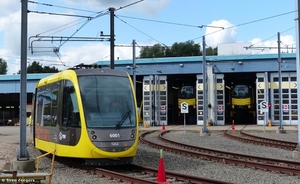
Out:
{"x": 160, "y": 81}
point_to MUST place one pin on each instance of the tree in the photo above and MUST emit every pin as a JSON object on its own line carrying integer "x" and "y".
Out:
{"x": 211, "y": 51}
{"x": 155, "y": 51}
{"x": 36, "y": 67}
{"x": 3, "y": 66}
{"x": 48, "y": 69}
{"x": 188, "y": 48}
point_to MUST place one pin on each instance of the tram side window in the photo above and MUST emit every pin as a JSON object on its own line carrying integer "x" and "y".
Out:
{"x": 70, "y": 114}
{"x": 54, "y": 104}
{"x": 47, "y": 109}
{"x": 39, "y": 111}
{"x": 47, "y": 99}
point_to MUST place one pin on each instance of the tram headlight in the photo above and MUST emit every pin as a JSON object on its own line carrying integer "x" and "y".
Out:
{"x": 94, "y": 137}
{"x": 132, "y": 136}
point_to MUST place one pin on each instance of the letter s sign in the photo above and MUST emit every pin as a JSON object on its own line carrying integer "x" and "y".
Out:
{"x": 184, "y": 107}
{"x": 263, "y": 106}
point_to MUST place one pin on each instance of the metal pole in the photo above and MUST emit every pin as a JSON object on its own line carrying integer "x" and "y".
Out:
{"x": 156, "y": 79}
{"x": 184, "y": 122}
{"x": 279, "y": 83}
{"x": 298, "y": 63}
{"x": 23, "y": 88}
{"x": 266, "y": 99}
{"x": 157, "y": 99}
{"x": 112, "y": 38}
{"x": 267, "y": 95}
{"x": 133, "y": 65}
{"x": 204, "y": 88}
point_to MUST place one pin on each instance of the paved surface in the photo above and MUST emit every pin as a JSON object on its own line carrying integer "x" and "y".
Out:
{"x": 11, "y": 134}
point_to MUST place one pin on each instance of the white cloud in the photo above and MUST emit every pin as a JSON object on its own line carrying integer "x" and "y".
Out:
{"x": 271, "y": 46}
{"x": 216, "y": 35}
{"x": 7, "y": 7}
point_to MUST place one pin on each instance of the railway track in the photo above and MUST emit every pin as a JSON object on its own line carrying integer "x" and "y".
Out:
{"x": 136, "y": 174}
{"x": 267, "y": 164}
{"x": 145, "y": 175}
{"x": 248, "y": 138}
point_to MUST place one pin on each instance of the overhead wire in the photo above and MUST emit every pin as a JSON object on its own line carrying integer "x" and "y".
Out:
{"x": 263, "y": 49}
{"x": 90, "y": 17}
{"x": 84, "y": 21}
{"x": 271, "y": 37}
{"x": 57, "y": 6}
{"x": 197, "y": 26}
{"x": 140, "y": 31}
{"x": 163, "y": 22}
{"x": 129, "y": 5}
{"x": 246, "y": 23}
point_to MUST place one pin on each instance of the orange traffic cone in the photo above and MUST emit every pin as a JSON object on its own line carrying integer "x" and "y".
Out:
{"x": 232, "y": 126}
{"x": 145, "y": 124}
{"x": 161, "y": 175}
{"x": 163, "y": 127}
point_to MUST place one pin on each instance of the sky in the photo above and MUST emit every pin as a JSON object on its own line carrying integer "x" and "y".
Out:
{"x": 148, "y": 22}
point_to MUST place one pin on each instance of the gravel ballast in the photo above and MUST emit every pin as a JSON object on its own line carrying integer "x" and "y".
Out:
{"x": 148, "y": 156}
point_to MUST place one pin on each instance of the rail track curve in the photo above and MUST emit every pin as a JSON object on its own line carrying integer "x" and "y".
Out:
{"x": 267, "y": 164}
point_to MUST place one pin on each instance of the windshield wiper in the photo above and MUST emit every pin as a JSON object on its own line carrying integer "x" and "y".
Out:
{"x": 126, "y": 115}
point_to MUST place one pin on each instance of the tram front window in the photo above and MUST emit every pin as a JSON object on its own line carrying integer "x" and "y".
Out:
{"x": 107, "y": 101}
{"x": 187, "y": 92}
{"x": 240, "y": 91}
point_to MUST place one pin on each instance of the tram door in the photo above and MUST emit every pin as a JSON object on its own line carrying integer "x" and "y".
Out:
{"x": 155, "y": 107}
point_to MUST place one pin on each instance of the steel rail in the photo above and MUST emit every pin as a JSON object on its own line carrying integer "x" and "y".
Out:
{"x": 282, "y": 166}
{"x": 277, "y": 143}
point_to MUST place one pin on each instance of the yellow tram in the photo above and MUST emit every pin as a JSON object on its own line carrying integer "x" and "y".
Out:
{"x": 88, "y": 113}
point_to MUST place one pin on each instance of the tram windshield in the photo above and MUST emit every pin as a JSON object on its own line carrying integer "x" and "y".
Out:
{"x": 240, "y": 91}
{"x": 108, "y": 101}
{"x": 186, "y": 92}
